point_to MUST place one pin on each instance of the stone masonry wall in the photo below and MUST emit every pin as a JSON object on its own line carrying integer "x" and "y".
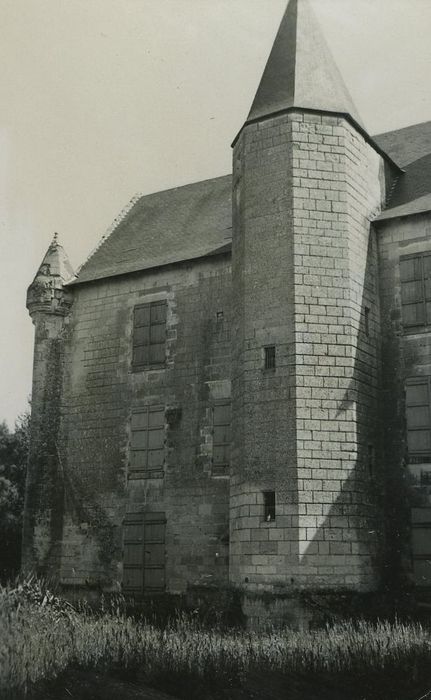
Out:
{"x": 43, "y": 511}
{"x": 309, "y": 269}
{"x": 406, "y": 353}
{"x": 100, "y": 390}
{"x": 264, "y": 439}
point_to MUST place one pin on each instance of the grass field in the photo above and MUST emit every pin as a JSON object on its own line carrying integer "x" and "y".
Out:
{"x": 42, "y": 636}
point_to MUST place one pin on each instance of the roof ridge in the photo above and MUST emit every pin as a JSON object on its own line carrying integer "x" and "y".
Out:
{"x": 187, "y": 184}
{"x": 110, "y": 230}
{"x": 401, "y": 128}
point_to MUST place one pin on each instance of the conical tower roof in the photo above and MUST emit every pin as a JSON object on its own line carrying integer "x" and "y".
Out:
{"x": 56, "y": 263}
{"x": 301, "y": 72}
{"x": 47, "y": 291}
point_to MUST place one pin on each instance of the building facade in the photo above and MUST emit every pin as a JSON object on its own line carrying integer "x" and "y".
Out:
{"x": 235, "y": 387}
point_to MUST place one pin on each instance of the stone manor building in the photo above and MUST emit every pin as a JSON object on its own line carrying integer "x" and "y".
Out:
{"x": 236, "y": 385}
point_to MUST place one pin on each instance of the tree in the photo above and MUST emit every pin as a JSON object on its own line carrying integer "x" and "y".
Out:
{"x": 13, "y": 466}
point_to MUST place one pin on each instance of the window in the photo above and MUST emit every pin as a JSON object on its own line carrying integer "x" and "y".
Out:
{"x": 147, "y": 442}
{"x": 269, "y": 360}
{"x": 221, "y": 437}
{"x": 418, "y": 415}
{"x": 149, "y": 335}
{"x": 415, "y": 274}
{"x": 144, "y": 553}
{"x": 367, "y": 321}
{"x": 269, "y": 506}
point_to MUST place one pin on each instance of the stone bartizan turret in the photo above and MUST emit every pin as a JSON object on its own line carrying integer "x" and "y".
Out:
{"x": 49, "y": 302}
{"x": 47, "y": 293}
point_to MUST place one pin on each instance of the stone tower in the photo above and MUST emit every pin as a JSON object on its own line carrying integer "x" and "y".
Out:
{"x": 307, "y": 181}
{"x": 48, "y": 302}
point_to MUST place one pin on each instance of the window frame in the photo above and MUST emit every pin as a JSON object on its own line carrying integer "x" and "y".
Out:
{"x": 423, "y": 299}
{"x": 137, "y": 472}
{"x": 148, "y": 365}
{"x": 418, "y": 456}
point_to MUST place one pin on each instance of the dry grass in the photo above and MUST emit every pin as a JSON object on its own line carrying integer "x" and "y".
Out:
{"x": 41, "y": 636}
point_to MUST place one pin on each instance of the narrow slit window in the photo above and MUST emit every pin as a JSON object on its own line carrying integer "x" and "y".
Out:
{"x": 269, "y": 506}
{"x": 367, "y": 321}
{"x": 269, "y": 360}
{"x": 371, "y": 460}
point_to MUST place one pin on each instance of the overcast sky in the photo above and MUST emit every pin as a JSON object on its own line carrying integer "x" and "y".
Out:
{"x": 101, "y": 99}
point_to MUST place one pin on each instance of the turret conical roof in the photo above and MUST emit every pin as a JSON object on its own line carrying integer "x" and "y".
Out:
{"x": 56, "y": 263}
{"x": 301, "y": 72}
{"x": 47, "y": 291}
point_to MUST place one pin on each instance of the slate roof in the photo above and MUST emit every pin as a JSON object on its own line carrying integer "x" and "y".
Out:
{"x": 407, "y": 144}
{"x": 166, "y": 227}
{"x": 301, "y": 71}
{"x": 194, "y": 221}
{"x": 411, "y": 148}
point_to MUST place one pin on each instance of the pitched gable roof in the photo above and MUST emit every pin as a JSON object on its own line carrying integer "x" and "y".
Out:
{"x": 166, "y": 227}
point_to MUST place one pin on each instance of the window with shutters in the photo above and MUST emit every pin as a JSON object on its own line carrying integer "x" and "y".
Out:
{"x": 221, "y": 438}
{"x": 418, "y": 416}
{"x": 149, "y": 335}
{"x": 147, "y": 442}
{"x": 144, "y": 553}
{"x": 415, "y": 272}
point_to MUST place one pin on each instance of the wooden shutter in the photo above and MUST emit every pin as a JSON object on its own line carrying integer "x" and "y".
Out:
{"x": 147, "y": 442}
{"x": 421, "y": 545}
{"x": 418, "y": 417}
{"x": 149, "y": 335}
{"x": 221, "y": 437}
{"x": 133, "y": 562}
{"x": 427, "y": 285}
{"x": 154, "y": 553}
{"x": 415, "y": 273}
{"x": 144, "y": 553}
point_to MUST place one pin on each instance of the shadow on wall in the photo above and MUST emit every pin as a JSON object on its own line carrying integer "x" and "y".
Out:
{"x": 354, "y": 542}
